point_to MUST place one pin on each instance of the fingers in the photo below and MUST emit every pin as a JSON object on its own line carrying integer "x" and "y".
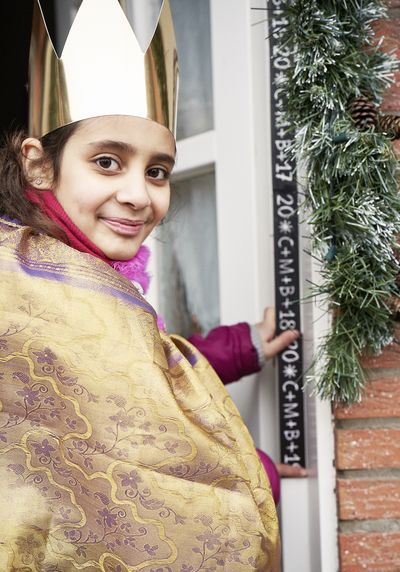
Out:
{"x": 292, "y": 471}
{"x": 274, "y": 345}
{"x": 279, "y": 343}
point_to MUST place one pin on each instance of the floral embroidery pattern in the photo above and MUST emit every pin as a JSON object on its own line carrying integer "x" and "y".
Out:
{"x": 116, "y": 452}
{"x": 112, "y": 527}
{"x": 34, "y": 405}
{"x": 217, "y": 548}
{"x": 128, "y": 431}
{"x": 114, "y": 530}
{"x": 193, "y": 471}
{"x": 131, "y": 482}
{"x": 48, "y": 362}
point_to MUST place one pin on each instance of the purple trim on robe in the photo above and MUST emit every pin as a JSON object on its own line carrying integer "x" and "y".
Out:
{"x": 87, "y": 284}
{"x": 229, "y": 350}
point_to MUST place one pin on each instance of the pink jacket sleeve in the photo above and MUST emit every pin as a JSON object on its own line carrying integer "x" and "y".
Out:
{"x": 229, "y": 350}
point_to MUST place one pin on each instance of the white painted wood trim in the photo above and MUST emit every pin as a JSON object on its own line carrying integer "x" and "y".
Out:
{"x": 195, "y": 155}
{"x": 326, "y": 472}
{"x": 237, "y": 166}
{"x": 326, "y": 489}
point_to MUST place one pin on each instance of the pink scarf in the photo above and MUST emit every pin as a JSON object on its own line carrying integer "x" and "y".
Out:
{"x": 134, "y": 269}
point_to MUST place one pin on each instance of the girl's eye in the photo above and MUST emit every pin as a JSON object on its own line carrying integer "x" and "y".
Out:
{"x": 107, "y": 163}
{"x": 158, "y": 173}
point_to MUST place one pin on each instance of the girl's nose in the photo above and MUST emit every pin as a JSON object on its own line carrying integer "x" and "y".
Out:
{"x": 134, "y": 192}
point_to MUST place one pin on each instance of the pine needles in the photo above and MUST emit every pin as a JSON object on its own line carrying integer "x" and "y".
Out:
{"x": 351, "y": 192}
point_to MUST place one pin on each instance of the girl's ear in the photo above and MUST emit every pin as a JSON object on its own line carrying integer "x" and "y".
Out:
{"x": 37, "y": 173}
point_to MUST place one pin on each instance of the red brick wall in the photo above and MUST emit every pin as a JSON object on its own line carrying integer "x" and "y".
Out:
{"x": 368, "y": 434}
{"x": 368, "y": 470}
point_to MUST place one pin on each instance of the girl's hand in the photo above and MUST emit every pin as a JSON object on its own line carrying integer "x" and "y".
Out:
{"x": 272, "y": 344}
{"x": 291, "y": 471}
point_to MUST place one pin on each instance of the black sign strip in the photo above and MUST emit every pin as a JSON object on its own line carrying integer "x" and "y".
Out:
{"x": 286, "y": 250}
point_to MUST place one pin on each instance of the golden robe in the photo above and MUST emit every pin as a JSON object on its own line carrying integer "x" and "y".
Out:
{"x": 120, "y": 448}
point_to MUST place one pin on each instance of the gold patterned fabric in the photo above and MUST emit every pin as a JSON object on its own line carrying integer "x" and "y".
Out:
{"x": 120, "y": 449}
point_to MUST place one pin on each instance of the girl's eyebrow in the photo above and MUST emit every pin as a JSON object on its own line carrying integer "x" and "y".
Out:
{"x": 164, "y": 158}
{"x": 114, "y": 145}
{"x": 123, "y": 147}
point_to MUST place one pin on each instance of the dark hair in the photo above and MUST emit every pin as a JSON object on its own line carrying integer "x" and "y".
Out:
{"x": 14, "y": 182}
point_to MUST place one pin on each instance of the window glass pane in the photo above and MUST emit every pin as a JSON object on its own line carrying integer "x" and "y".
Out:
{"x": 193, "y": 38}
{"x": 188, "y": 258}
{"x": 143, "y": 16}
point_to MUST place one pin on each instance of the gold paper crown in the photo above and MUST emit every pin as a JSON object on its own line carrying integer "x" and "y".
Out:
{"x": 102, "y": 69}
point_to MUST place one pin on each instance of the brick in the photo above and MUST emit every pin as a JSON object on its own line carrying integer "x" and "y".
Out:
{"x": 367, "y": 448}
{"x": 362, "y": 499}
{"x": 369, "y": 552}
{"x": 391, "y": 100}
{"x": 381, "y": 399}
{"x": 389, "y": 358}
{"x": 389, "y": 30}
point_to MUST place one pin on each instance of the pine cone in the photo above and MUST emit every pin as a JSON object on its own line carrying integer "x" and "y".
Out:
{"x": 363, "y": 112}
{"x": 390, "y": 124}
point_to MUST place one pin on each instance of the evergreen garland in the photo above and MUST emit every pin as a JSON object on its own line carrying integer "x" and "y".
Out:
{"x": 351, "y": 190}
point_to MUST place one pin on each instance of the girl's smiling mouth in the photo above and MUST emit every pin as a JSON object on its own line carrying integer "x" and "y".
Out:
{"x": 123, "y": 226}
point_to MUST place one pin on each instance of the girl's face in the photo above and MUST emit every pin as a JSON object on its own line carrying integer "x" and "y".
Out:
{"x": 114, "y": 181}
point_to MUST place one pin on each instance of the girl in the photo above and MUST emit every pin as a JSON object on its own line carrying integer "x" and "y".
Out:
{"x": 120, "y": 449}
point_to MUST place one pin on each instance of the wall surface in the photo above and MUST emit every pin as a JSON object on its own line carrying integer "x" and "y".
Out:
{"x": 368, "y": 470}
{"x": 368, "y": 434}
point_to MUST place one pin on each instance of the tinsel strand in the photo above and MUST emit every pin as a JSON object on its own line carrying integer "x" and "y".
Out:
{"x": 351, "y": 191}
